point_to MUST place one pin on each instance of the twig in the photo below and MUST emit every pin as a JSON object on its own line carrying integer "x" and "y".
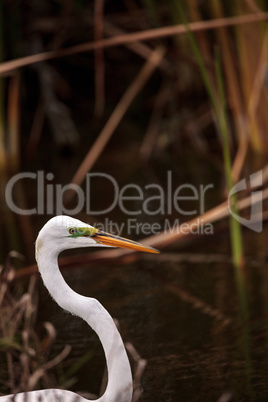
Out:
{"x": 140, "y": 365}
{"x": 141, "y": 49}
{"x": 259, "y": 80}
{"x": 13, "y": 122}
{"x": 41, "y": 370}
{"x": 131, "y": 38}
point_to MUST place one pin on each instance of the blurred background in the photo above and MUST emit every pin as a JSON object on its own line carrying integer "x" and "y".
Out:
{"x": 146, "y": 92}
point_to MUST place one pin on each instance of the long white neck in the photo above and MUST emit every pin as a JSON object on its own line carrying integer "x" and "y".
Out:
{"x": 119, "y": 388}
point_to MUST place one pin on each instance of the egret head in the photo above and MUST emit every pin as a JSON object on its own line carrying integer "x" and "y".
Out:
{"x": 64, "y": 232}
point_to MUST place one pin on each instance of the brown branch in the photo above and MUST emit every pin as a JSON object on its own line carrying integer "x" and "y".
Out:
{"x": 131, "y": 38}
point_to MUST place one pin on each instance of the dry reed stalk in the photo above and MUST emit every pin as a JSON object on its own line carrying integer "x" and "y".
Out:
{"x": 140, "y": 365}
{"x": 36, "y": 129}
{"x": 252, "y": 104}
{"x": 3, "y": 156}
{"x": 138, "y": 48}
{"x": 233, "y": 90}
{"x": 131, "y": 38}
{"x": 12, "y": 160}
{"x": 13, "y": 112}
{"x": 8, "y": 276}
{"x": 235, "y": 100}
{"x": 63, "y": 24}
{"x": 26, "y": 228}
{"x": 258, "y": 80}
{"x": 11, "y": 313}
{"x": 201, "y": 38}
{"x": 25, "y": 360}
{"x": 115, "y": 118}
{"x": 253, "y": 6}
{"x": 249, "y": 47}
{"x": 99, "y": 59}
{"x": 40, "y": 371}
{"x": 241, "y": 154}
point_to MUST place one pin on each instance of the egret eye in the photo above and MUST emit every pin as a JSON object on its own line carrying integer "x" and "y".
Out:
{"x": 72, "y": 231}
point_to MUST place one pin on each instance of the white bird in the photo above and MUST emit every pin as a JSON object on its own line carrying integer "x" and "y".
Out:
{"x": 58, "y": 234}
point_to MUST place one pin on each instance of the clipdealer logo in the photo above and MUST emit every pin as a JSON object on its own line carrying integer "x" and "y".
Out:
{"x": 152, "y": 199}
{"x": 136, "y": 202}
{"x": 133, "y": 225}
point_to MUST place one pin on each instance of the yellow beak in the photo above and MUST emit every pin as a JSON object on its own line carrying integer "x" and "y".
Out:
{"x": 116, "y": 241}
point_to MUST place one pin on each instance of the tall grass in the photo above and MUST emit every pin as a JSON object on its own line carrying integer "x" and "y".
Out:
{"x": 218, "y": 103}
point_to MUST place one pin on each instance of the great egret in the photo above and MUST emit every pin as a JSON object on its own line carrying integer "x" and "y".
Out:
{"x": 58, "y": 234}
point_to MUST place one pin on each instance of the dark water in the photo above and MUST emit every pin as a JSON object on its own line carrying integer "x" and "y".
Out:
{"x": 183, "y": 317}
